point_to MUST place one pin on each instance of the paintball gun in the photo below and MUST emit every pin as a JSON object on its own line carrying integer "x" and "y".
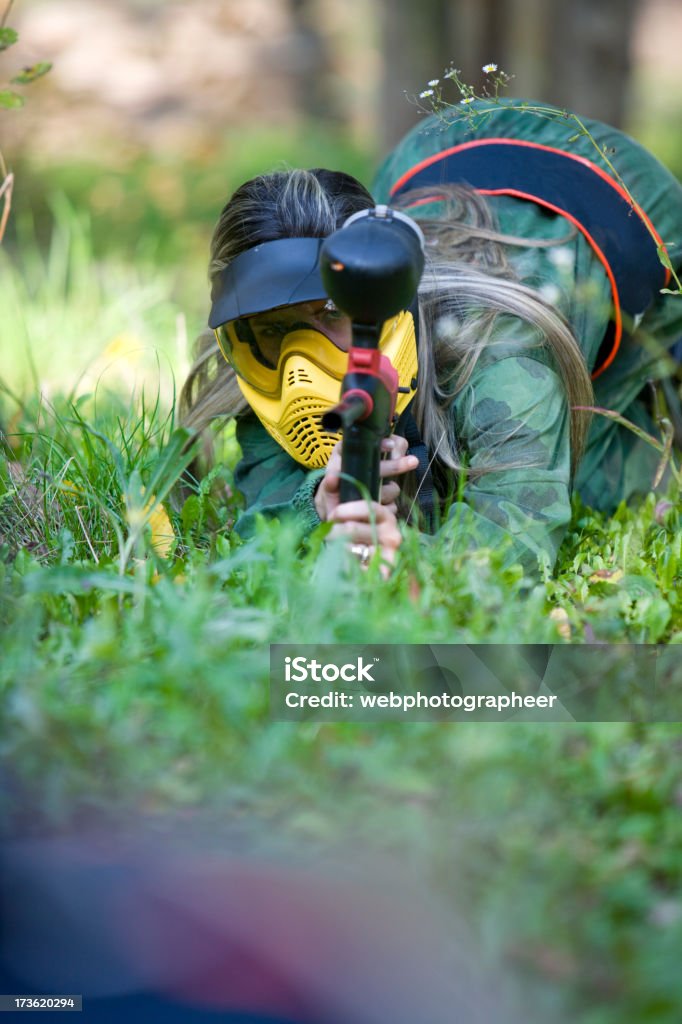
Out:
{"x": 371, "y": 268}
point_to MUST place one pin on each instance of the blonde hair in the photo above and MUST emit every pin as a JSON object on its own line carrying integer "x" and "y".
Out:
{"x": 283, "y": 204}
{"x": 466, "y": 286}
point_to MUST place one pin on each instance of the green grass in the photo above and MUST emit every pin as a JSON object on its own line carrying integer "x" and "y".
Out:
{"x": 73, "y": 323}
{"x": 133, "y": 682}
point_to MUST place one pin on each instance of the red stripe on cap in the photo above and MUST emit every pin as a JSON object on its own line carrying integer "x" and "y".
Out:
{"x": 532, "y": 145}
{"x": 436, "y": 157}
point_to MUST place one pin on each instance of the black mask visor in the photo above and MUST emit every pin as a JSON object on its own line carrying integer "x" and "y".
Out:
{"x": 279, "y": 273}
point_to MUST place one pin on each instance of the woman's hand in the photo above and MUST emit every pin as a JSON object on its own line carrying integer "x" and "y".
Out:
{"x": 367, "y": 526}
{"x": 397, "y": 463}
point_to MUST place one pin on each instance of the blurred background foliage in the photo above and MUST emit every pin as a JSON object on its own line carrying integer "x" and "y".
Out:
{"x": 156, "y": 109}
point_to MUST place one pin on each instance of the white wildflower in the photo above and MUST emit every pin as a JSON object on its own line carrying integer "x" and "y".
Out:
{"x": 489, "y": 68}
{"x": 467, "y": 99}
{"x": 447, "y": 327}
{"x": 425, "y": 92}
{"x": 434, "y": 81}
{"x": 550, "y": 293}
{"x": 561, "y": 257}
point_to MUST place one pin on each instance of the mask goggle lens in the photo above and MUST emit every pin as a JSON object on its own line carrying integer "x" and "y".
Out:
{"x": 253, "y": 345}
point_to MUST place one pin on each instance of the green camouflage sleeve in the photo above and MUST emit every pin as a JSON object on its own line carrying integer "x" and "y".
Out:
{"x": 273, "y": 484}
{"x": 512, "y": 421}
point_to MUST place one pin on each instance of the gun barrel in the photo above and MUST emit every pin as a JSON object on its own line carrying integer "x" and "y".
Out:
{"x": 354, "y": 405}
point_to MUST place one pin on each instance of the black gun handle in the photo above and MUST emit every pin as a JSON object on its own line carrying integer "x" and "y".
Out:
{"x": 360, "y": 457}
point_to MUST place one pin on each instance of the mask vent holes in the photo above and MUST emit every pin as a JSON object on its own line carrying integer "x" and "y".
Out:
{"x": 312, "y": 444}
{"x": 298, "y": 376}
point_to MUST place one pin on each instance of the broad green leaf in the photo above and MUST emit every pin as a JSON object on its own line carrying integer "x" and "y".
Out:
{"x": 639, "y": 586}
{"x": 8, "y": 37}
{"x": 191, "y": 512}
{"x": 30, "y": 74}
{"x": 10, "y": 100}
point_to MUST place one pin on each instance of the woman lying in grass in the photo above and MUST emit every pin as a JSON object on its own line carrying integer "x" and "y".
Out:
{"x": 541, "y": 296}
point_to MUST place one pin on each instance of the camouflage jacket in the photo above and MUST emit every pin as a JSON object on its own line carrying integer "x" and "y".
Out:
{"x": 512, "y": 413}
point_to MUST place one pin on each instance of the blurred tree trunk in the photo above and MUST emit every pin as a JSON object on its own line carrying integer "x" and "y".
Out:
{"x": 415, "y": 42}
{"x": 588, "y": 56}
{"x": 492, "y": 38}
{"x": 575, "y": 53}
{"x": 312, "y": 65}
{"x": 421, "y": 38}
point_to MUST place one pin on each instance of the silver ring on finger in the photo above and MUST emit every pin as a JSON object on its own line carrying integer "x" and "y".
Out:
{"x": 362, "y": 552}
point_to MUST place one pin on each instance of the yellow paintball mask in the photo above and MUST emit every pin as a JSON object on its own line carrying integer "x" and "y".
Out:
{"x": 290, "y": 363}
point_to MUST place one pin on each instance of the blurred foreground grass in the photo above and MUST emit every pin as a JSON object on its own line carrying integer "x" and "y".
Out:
{"x": 134, "y": 670}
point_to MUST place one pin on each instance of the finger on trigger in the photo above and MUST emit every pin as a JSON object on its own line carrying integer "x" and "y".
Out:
{"x": 363, "y": 511}
{"x": 396, "y": 467}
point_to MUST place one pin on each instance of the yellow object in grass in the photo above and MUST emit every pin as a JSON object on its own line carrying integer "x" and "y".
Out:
{"x": 560, "y": 617}
{"x": 163, "y": 536}
{"x": 606, "y": 576}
